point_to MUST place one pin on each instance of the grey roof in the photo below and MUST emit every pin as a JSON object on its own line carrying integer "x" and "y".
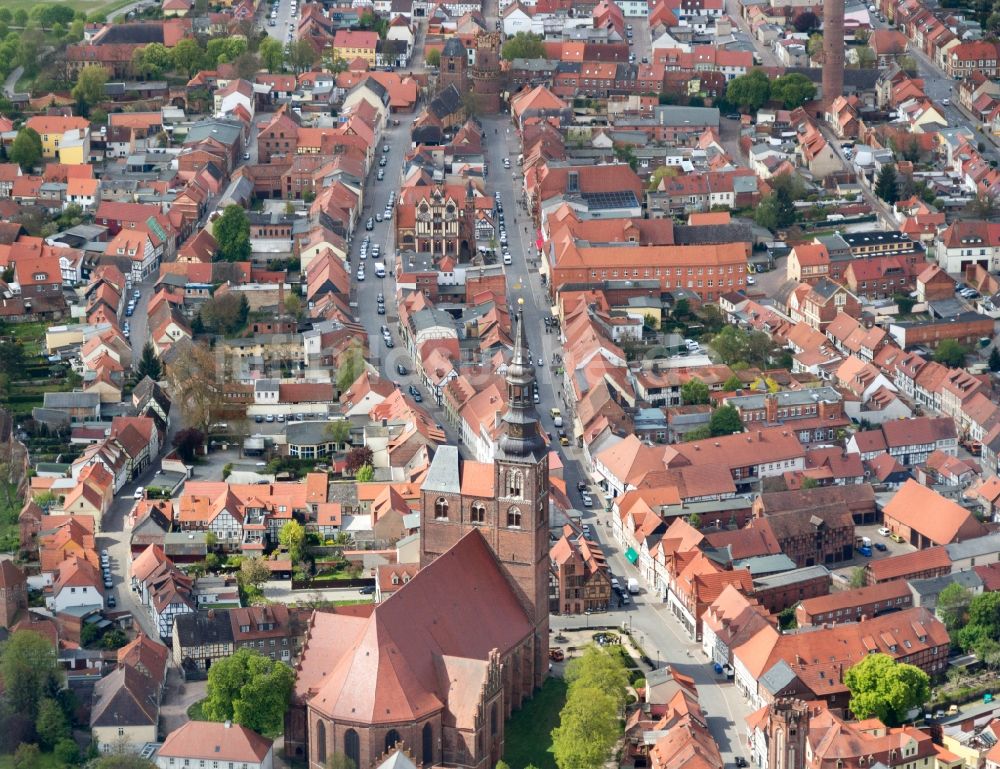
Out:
{"x": 777, "y": 678}
{"x": 791, "y": 577}
{"x": 672, "y": 115}
{"x": 125, "y": 698}
{"x": 431, "y": 318}
{"x": 307, "y": 433}
{"x": 766, "y": 564}
{"x": 225, "y": 131}
{"x": 930, "y": 588}
{"x": 788, "y": 397}
{"x": 443, "y": 474}
{"x": 826, "y": 288}
{"x": 198, "y": 628}
{"x": 185, "y": 543}
{"x": 410, "y": 521}
{"x": 136, "y": 33}
{"x": 71, "y": 400}
{"x": 973, "y": 547}
{"x": 833, "y": 242}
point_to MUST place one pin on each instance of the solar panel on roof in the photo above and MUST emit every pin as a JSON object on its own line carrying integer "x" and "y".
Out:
{"x": 620, "y": 199}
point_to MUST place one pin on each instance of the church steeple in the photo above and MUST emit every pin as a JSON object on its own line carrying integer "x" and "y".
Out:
{"x": 521, "y": 439}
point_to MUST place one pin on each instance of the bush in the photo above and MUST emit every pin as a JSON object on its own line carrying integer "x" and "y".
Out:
{"x": 67, "y": 751}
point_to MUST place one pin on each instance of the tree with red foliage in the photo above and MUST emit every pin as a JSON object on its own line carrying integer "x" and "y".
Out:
{"x": 187, "y": 441}
{"x": 357, "y": 458}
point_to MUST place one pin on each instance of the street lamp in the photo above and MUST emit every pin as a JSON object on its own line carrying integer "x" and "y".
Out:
{"x": 588, "y": 618}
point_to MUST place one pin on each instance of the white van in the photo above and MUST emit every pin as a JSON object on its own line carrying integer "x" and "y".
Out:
{"x": 507, "y": 259}
{"x": 379, "y": 270}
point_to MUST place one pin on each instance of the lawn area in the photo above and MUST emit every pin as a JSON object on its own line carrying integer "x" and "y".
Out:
{"x": 528, "y": 736}
{"x": 194, "y": 712}
{"x": 87, "y": 6}
{"x": 45, "y": 761}
{"x": 31, "y": 335}
{"x": 10, "y": 534}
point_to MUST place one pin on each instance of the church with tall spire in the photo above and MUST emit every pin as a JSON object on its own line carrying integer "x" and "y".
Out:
{"x": 441, "y": 663}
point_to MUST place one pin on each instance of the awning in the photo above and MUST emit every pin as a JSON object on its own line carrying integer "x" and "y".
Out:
{"x": 631, "y": 555}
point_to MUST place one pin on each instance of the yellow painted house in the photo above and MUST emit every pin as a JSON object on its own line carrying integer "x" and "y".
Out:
{"x": 360, "y": 44}
{"x": 65, "y": 139}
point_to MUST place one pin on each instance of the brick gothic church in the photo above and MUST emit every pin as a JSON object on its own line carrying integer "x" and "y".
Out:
{"x": 440, "y": 664}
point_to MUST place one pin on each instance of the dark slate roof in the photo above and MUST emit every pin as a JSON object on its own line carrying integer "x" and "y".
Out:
{"x": 203, "y": 628}
{"x": 125, "y": 698}
{"x": 446, "y": 102}
{"x": 141, "y": 33}
{"x": 735, "y": 232}
{"x": 453, "y": 47}
{"x": 858, "y": 79}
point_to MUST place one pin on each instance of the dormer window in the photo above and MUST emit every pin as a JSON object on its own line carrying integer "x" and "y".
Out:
{"x": 395, "y": 579}
{"x": 40, "y": 276}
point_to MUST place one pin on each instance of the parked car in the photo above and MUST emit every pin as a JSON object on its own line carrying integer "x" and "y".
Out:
{"x": 401, "y": 369}
{"x": 112, "y": 602}
{"x": 865, "y": 551}
{"x": 881, "y": 547}
{"x": 367, "y": 590}
{"x": 897, "y": 539}
{"x": 883, "y": 531}
{"x": 588, "y": 501}
{"x": 138, "y": 493}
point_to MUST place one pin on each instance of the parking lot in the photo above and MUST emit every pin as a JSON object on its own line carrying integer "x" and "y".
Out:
{"x": 843, "y": 570}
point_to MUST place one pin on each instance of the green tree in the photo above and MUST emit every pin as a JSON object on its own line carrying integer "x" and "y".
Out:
{"x": 732, "y": 384}
{"x": 153, "y": 60}
{"x": 588, "y": 729}
{"x": 994, "y": 361}
{"x": 254, "y": 572}
{"x": 950, "y": 353}
{"x": 725, "y": 420}
{"x": 30, "y": 672}
{"x": 588, "y": 724}
{"x": 793, "y": 90}
{"x": 433, "y": 57}
{"x": 232, "y": 234}
{"x": 352, "y": 364}
{"x": 29, "y": 49}
{"x": 89, "y": 88}
{"x": 291, "y": 536}
{"x": 339, "y": 431}
{"x": 149, "y": 364}
{"x": 225, "y": 313}
{"x": 953, "y": 604}
{"x": 67, "y": 752}
{"x": 272, "y": 54}
{"x": 886, "y": 186}
{"x": 886, "y": 689}
{"x": 599, "y": 669}
{"x": 188, "y": 56}
{"x": 810, "y": 483}
{"x": 249, "y": 689}
{"x": 338, "y": 760}
{"x": 365, "y": 474}
{"x": 983, "y": 624}
{"x": 750, "y": 91}
{"x": 51, "y": 724}
{"x": 815, "y": 47}
{"x": 693, "y": 392}
{"x": 301, "y": 56}
{"x": 524, "y": 45}
{"x": 27, "y": 756}
{"x": 694, "y": 520}
{"x": 26, "y": 149}
{"x": 857, "y": 577}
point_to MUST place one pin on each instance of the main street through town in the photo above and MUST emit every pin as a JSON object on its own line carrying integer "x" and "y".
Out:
{"x": 648, "y": 619}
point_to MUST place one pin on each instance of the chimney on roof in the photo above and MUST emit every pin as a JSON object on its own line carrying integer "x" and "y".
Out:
{"x": 229, "y": 724}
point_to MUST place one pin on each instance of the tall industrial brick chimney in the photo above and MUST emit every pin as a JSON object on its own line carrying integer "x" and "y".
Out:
{"x": 833, "y": 50}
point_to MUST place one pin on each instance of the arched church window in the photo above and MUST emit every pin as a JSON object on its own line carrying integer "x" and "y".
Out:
{"x": 514, "y": 518}
{"x": 441, "y": 509}
{"x": 391, "y": 738}
{"x": 478, "y": 513}
{"x": 515, "y": 483}
{"x": 352, "y": 746}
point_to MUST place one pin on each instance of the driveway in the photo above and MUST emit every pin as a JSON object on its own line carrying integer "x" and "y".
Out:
{"x": 178, "y": 696}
